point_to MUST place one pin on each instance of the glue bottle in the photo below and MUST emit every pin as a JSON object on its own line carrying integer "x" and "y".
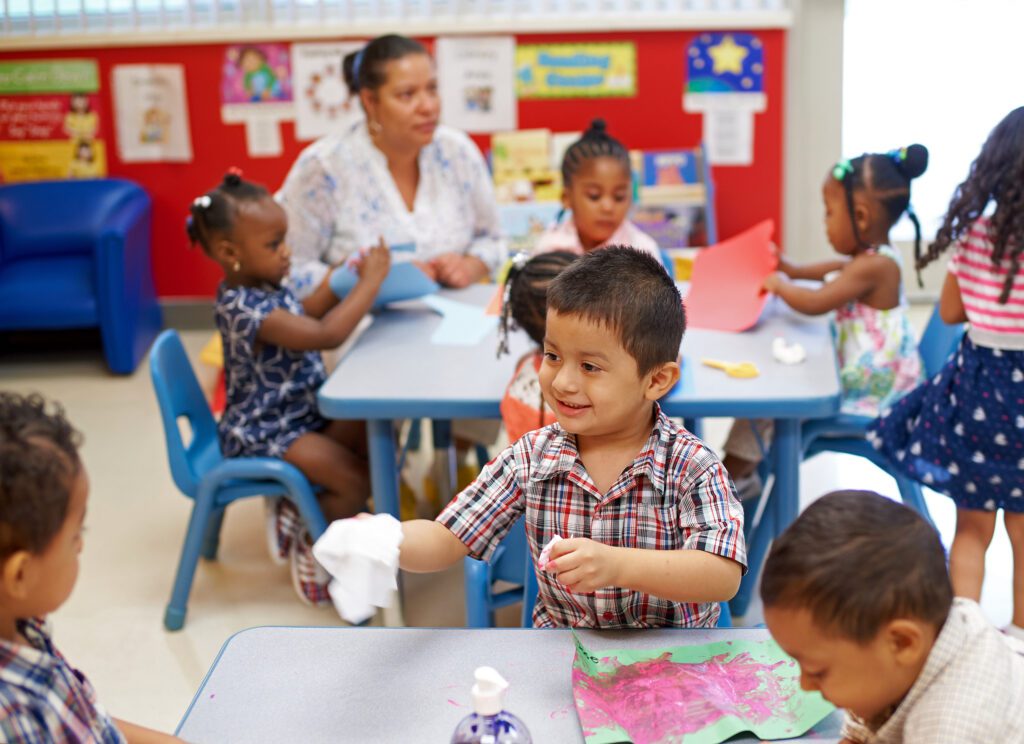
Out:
{"x": 490, "y": 723}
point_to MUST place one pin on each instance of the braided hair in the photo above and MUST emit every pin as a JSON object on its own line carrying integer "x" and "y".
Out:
{"x": 886, "y": 178}
{"x": 997, "y": 175}
{"x": 595, "y": 143}
{"x": 526, "y": 289}
{"x": 214, "y": 212}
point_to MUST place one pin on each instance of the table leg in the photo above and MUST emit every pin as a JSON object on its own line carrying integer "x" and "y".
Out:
{"x": 780, "y": 511}
{"x": 444, "y": 467}
{"x": 384, "y": 485}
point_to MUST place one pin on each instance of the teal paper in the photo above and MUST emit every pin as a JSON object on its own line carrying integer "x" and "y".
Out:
{"x": 461, "y": 324}
{"x": 692, "y": 694}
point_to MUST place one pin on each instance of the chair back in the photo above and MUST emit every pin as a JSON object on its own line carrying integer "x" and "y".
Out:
{"x": 179, "y": 396}
{"x": 938, "y": 341}
{"x": 59, "y": 218}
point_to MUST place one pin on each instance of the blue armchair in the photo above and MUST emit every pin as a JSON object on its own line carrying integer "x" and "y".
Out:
{"x": 75, "y": 254}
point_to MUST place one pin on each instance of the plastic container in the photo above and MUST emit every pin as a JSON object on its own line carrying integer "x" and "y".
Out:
{"x": 490, "y": 723}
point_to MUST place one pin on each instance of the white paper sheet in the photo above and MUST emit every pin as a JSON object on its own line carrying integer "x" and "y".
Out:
{"x": 323, "y": 103}
{"x": 151, "y": 112}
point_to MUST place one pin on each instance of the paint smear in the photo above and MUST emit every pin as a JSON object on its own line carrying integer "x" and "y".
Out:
{"x": 662, "y": 700}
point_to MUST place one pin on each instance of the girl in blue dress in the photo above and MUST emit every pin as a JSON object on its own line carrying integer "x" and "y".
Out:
{"x": 272, "y": 364}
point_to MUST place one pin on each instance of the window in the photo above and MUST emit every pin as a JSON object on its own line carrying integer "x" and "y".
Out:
{"x": 939, "y": 72}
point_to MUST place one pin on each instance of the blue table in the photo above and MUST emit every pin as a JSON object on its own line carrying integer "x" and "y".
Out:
{"x": 395, "y": 372}
{"x": 369, "y": 685}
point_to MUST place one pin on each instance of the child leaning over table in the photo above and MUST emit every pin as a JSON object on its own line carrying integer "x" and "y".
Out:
{"x": 653, "y": 533}
{"x": 857, "y": 591}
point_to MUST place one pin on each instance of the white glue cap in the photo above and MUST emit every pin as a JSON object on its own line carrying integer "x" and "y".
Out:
{"x": 489, "y": 691}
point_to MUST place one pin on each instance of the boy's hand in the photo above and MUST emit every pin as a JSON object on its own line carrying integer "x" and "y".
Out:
{"x": 375, "y": 265}
{"x": 583, "y": 565}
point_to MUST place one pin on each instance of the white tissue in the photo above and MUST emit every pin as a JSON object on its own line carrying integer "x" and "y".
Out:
{"x": 362, "y": 557}
{"x": 787, "y": 353}
{"x": 545, "y": 553}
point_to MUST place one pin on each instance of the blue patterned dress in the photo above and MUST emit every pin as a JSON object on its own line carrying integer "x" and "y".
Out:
{"x": 271, "y": 391}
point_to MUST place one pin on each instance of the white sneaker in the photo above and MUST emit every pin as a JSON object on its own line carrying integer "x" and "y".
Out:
{"x": 281, "y": 523}
{"x": 309, "y": 578}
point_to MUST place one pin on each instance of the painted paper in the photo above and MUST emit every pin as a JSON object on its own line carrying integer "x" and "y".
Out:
{"x": 725, "y": 83}
{"x": 726, "y": 289}
{"x": 151, "y": 111}
{"x": 50, "y": 127}
{"x": 700, "y": 694}
{"x": 476, "y": 78}
{"x": 323, "y": 103}
{"x": 576, "y": 70}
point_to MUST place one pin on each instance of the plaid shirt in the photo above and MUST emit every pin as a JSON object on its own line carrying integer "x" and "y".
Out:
{"x": 970, "y": 690}
{"x": 676, "y": 495}
{"x": 43, "y": 700}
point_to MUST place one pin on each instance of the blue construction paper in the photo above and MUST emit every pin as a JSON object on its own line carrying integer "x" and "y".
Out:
{"x": 461, "y": 324}
{"x": 404, "y": 281}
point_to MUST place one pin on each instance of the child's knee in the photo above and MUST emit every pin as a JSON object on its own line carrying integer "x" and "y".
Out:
{"x": 975, "y": 525}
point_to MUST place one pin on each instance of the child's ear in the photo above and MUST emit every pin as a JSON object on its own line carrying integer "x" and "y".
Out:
{"x": 861, "y": 216}
{"x": 661, "y": 380}
{"x": 225, "y": 251}
{"x": 16, "y": 575}
{"x": 907, "y": 640}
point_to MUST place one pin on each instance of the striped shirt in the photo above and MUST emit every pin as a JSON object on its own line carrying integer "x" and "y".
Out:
{"x": 675, "y": 496}
{"x": 993, "y": 324}
{"x": 43, "y": 699}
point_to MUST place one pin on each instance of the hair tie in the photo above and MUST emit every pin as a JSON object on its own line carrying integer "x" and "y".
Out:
{"x": 898, "y": 156}
{"x": 357, "y": 65}
{"x": 203, "y": 202}
{"x": 234, "y": 170}
{"x": 842, "y": 169}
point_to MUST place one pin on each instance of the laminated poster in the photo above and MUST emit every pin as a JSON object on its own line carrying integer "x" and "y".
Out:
{"x": 50, "y": 126}
{"x": 477, "y": 79}
{"x": 151, "y": 111}
{"x": 587, "y": 70}
{"x": 256, "y": 90}
{"x": 700, "y": 694}
{"x": 323, "y": 103}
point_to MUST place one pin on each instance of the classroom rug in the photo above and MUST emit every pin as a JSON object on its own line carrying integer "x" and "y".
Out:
{"x": 700, "y": 694}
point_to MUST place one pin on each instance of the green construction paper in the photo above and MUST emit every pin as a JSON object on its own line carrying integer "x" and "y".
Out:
{"x": 700, "y": 694}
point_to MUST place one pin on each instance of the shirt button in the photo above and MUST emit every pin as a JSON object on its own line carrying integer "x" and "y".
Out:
{"x": 608, "y": 615}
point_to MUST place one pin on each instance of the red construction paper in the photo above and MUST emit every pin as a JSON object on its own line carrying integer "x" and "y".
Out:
{"x": 726, "y": 291}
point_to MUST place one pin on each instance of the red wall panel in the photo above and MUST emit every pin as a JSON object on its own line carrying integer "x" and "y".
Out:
{"x": 653, "y": 119}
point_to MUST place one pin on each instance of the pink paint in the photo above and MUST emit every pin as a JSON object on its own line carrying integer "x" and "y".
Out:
{"x": 456, "y": 703}
{"x": 661, "y": 700}
{"x": 563, "y": 712}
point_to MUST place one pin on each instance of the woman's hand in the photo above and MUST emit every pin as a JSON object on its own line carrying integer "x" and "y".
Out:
{"x": 773, "y": 281}
{"x": 427, "y": 268}
{"x": 456, "y": 270}
{"x": 374, "y": 266}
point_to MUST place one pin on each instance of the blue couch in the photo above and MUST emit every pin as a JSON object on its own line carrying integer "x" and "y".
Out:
{"x": 75, "y": 254}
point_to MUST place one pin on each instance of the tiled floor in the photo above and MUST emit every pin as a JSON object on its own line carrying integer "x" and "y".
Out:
{"x": 112, "y": 625}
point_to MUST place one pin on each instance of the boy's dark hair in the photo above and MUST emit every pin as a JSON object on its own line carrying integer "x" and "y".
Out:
{"x": 857, "y": 560}
{"x": 526, "y": 292}
{"x": 630, "y": 292}
{"x": 997, "y": 175}
{"x": 365, "y": 69}
{"x": 38, "y": 463}
{"x": 886, "y": 177}
{"x": 214, "y": 212}
{"x": 595, "y": 143}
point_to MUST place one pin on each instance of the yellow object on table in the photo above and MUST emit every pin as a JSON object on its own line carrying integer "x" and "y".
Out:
{"x": 734, "y": 369}
{"x": 213, "y": 353}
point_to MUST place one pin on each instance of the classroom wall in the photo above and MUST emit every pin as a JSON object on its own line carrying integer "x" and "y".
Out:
{"x": 653, "y": 119}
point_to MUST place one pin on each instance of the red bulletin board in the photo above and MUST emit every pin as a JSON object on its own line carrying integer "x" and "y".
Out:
{"x": 653, "y": 119}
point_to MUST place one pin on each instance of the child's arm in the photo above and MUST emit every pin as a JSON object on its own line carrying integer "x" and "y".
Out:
{"x": 140, "y": 735}
{"x": 585, "y": 565}
{"x": 951, "y": 303}
{"x": 302, "y": 333}
{"x": 815, "y": 272}
{"x": 858, "y": 278}
{"x": 429, "y": 546}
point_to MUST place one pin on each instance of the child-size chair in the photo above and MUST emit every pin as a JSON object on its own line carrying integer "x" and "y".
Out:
{"x": 846, "y": 433}
{"x": 513, "y": 564}
{"x": 203, "y": 474}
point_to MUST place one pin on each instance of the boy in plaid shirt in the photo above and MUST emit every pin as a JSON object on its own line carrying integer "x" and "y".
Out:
{"x": 43, "y": 494}
{"x": 653, "y": 534}
{"x": 857, "y": 591}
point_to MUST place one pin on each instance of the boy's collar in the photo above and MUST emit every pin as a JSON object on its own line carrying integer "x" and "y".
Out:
{"x": 559, "y": 453}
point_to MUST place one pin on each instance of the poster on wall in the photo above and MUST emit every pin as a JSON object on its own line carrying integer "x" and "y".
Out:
{"x": 576, "y": 70}
{"x": 49, "y": 122}
{"x": 323, "y": 103}
{"x": 256, "y": 90}
{"x": 476, "y": 78}
{"x": 725, "y": 83}
{"x": 151, "y": 113}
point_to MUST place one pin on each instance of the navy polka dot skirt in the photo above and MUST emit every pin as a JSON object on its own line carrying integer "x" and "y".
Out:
{"x": 962, "y": 432}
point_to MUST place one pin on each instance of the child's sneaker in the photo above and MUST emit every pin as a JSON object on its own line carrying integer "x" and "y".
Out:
{"x": 749, "y": 488}
{"x": 282, "y": 522}
{"x": 308, "y": 577}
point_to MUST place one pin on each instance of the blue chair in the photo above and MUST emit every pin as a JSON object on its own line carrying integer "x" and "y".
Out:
{"x": 203, "y": 474}
{"x": 513, "y": 564}
{"x": 75, "y": 254}
{"x": 846, "y": 432}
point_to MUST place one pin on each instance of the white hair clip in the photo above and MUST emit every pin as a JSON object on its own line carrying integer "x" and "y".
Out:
{"x": 203, "y": 202}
